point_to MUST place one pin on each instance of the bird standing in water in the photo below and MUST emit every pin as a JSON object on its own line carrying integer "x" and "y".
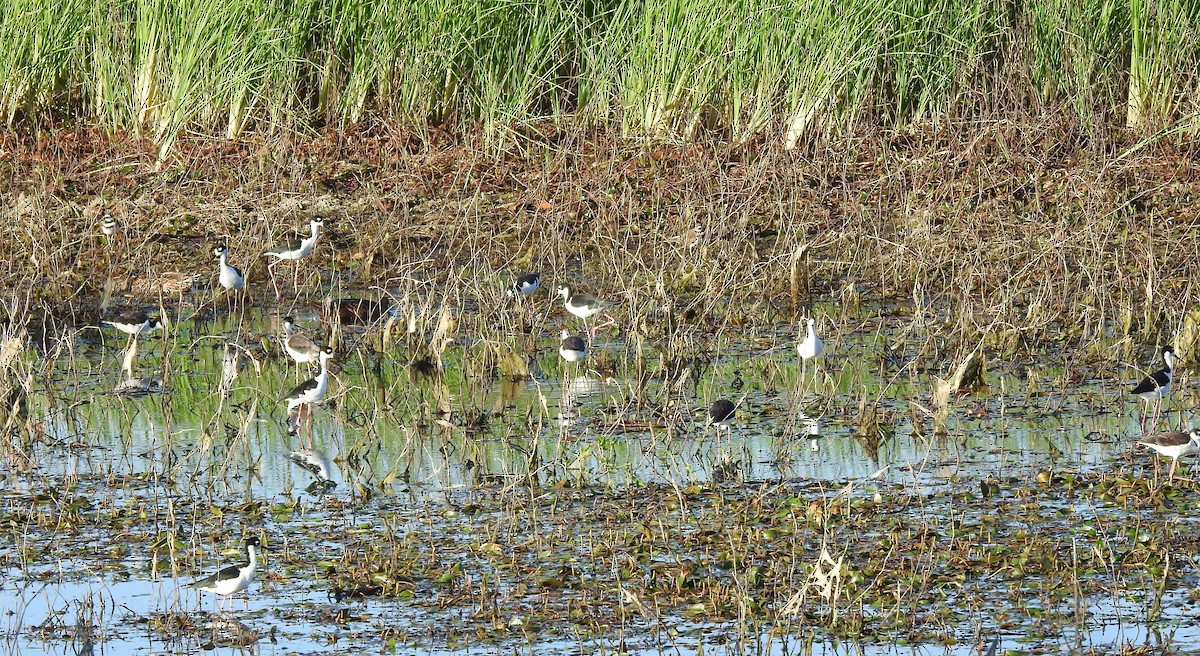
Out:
{"x": 234, "y": 578}
{"x": 1173, "y": 445}
{"x": 1155, "y": 387}
{"x": 810, "y": 347}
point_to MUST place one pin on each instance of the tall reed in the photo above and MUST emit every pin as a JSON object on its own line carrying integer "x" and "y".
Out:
{"x": 667, "y": 69}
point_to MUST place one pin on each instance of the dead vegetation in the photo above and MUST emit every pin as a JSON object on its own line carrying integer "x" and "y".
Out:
{"x": 1003, "y": 235}
{"x": 1003, "y": 239}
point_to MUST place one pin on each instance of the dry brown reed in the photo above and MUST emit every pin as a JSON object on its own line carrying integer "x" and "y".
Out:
{"x": 1002, "y": 235}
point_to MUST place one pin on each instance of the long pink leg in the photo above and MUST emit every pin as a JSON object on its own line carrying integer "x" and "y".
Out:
{"x": 271, "y": 271}
{"x": 592, "y": 332}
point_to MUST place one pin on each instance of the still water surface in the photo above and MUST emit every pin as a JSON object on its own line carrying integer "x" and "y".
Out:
{"x": 414, "y": 439}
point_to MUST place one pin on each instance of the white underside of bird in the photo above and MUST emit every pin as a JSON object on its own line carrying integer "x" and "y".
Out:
{"x": 230, "y": 278}
{"x": 297, "y": 250}
{"x": 229, "y": 580}
{"x": 812, "y": 345}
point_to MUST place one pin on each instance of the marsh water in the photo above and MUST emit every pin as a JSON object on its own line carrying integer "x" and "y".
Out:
{"x": 125, "y": 484}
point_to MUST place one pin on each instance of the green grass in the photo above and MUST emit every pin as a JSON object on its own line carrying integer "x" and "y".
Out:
{"x": 665, "y": 69}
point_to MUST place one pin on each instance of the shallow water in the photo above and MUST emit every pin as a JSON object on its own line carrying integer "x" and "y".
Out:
{"x": 188, "y": 468}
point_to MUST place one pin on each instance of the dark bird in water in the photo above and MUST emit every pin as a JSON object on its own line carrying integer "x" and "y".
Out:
{"x": 572, "y": 348}
{"x": 721, "y": 413}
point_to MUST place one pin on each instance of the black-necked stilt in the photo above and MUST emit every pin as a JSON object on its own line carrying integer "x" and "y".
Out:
{"x": 1173, "y": 445}
{"x": 298, "y": 347}
{"x": 1155, "y": 387}
{"x": 110, "y": 226}
{"x": 526, "y": 285}
{"x": 721, "y": 413}
{"x": 312, "y": 390}
{"x": 812, "y": 345}
{"x": 133, "y": 322}
{"x": 300, "y": 247}
{"x": 229, "y": 276}
{"x": 583, "y": 306}
{"x": 572, "y": 348}
{"x": 232, "y": 579}
{"x": 295, "y": 249}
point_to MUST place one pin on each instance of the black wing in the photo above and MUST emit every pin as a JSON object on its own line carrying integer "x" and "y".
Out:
{"x": 131, "y": 317}
{"x": 299, "y": 390}
{"x": 528, "y": 280}
{"x": 226, "y": 573}
{"x": 1167, "y": 438}
{"x": 721, "y": 410}
{"x": 1160, "y": 378}
{"x": 574, "y": 343}
{"x": 286, "y": 247}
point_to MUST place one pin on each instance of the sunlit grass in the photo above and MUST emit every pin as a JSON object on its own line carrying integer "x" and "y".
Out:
{"x": 162, "y": 68}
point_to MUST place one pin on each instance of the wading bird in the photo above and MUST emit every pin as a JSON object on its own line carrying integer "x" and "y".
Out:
{"x": 572, "y": 348}
{"x": 584, "y": 307}
{"x": 526, "y": 285}
{"x": 133, "y": 323}
{"x": 721, "y": 414}
{"x": 810, "y": 347}
{"x": 299, "y": 347}
{"x": 234, "y": 578}
{"x": 228, "y": 275}
{"x": 312, "y": 390}
{"x": 1173, "y": 445}
{"x": 295, "y": 249}
{"x": 1155, "y": 387}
